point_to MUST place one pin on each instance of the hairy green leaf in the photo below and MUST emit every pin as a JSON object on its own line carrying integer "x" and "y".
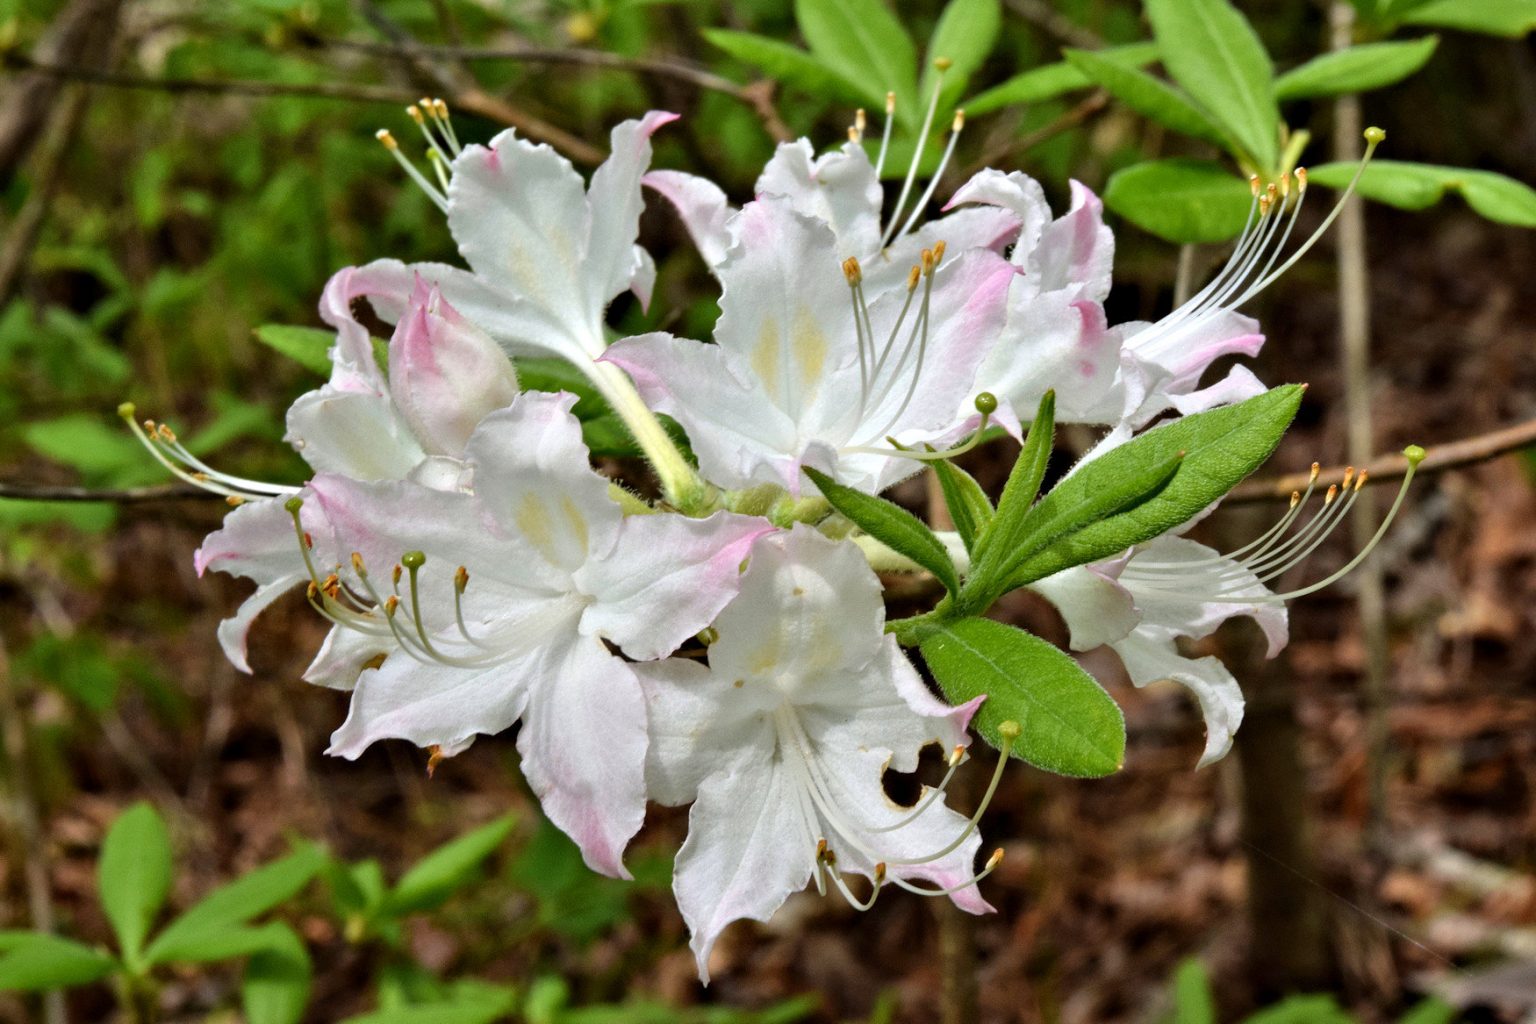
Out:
{"x": 1410, "y": 186}
{"x": 968, "y": 504}
{"x": 1219, "y": 447}
{"x": 892, "y": 526}
{"x": 1068, "y": 724}
{"x": 1213, "y": 53}
{"x": 1181, "y": 200}
{"x": 1147, "y": 95}
{"x": 134, "y": 876}
{"x": 1355, "y": 69}
{"x": 995, "y": 542}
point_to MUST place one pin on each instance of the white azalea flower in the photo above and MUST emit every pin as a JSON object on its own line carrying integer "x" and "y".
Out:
{"x": 500, "y": 606}
{"x": 782, "y": 740}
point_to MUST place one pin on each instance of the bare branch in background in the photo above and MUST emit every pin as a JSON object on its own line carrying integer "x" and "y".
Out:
{"x": 1053, "y": 23}
{"x": 117, "y": 495}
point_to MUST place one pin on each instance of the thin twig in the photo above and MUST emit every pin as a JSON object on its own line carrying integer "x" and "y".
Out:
{"x": 1454, "y": 455}
{"x": 1073, "y": 118}
{"x": 1052, "y": 22}
{"x": 23, "y": 491}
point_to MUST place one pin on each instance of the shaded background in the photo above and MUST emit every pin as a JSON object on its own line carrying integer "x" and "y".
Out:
{"x": 149, "y": 229}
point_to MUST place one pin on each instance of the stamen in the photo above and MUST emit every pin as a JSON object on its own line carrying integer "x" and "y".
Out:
{"x": 941, "y": 65}
{"x": 161, "y": 443}
{"x": 389, "y": 143}
{"x": 986, "y": 404}
{"x": 885, "y": 133}
{"x": 991, "y": 866}
{"x": 933, "y": 182}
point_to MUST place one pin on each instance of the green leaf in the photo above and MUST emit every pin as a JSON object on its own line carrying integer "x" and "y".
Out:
{"x": 1213, "y": 53}
{"x": 1430, "y": 1011}
{"x": 229, "y": 942}
{"x": 1068, "y": 724}
{"x": 968, "y": 504}
{"x": 1410, "y": 186}
{"x": 862, "y": 42}
{"x": 1052, "y": 80}
{"x": 1512, "y": 18}
{"x": 1220, "y": 448}
{"x": 1355, "y": 69}
{"x": 892, "y": 526}
{"x": 134, "y": 876}
{"x": 310, "y": 347}
{"x": 1192, "y": 999}
{"x": 966, "y": 33}
{"x": 1302, "y": 1010}
{"x": 998, "y": 539}
{"x": 1149, "y": 96}
{"x": 36, "y": 961}
{"x": 275, "y": 988}
{"x": 788, "y": 64}
{"x": 446, "y": 869}
{"x": 1181, "y": 200}
{"x": 236, "y": 903}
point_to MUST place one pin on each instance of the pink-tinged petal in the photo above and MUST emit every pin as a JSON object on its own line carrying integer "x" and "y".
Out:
{"x": 839, "y": 189}
{"x": 1184, "y": 349}
{"x": 703, "y": 208}
{"x": 353, "y": 433}
{"x": 747, "y": 851}
{"x": 519, "y": 214}
{"x": 1151, "y": 655}
{"x": 614, "y": 202}
{"x": 700, "y": 724}
{"x": 1077, "y": 250}
{"x": 583, "y": 743}
{"x": 739, "y": 436}
{"x": 1238, "y": 385}
{"x": 445, "y": 373}
{"x": 354, "y": 367}
{"x": 1097, "y": 609}
{"x": 533, "y": 475}
{"x": 1052, "y": 343}
{"x": 666, "y": 578}
{"x": 974, "y": 227}
{"x": 516, "y": 323}
{"x": 1017, "y": 193}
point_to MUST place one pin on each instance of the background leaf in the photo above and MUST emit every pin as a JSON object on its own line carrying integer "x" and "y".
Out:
{"x": 308, "y": 346}
{"x": 35, "y": 962}
{"x": 965, "y": 35}
{"x": 134, "y": 875}
{"x": 275, "y": 988}
{"x": 446, "y": 869}
{"x": 1410, "y": 186}
{"x": 1052, "y": 80}
{"x": 1214, "y": 54}
{"x": 790, "y": 65}
{"x": 861, "y": 41}
{"x": 1356, "y": 69}
{"x": 1147, "y": 95}
{"x": 1181, "y": 200}
{"x": 1069, "y": 725}
{"x": 1512, "y": 18}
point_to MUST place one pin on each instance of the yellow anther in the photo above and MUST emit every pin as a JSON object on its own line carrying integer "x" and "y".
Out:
{"x": 199, "y": 476}
{"x": 821, "y": 849}
{"x": 384, "y": 136}
{"x": 1301, "y": 179}
{"x": 860, "y": 120}
{"x": 330, "y": 581}
{"x": 167, "y": 434}
{"x": 890, "y": 103}
{"x": 312, "y": 592}
{"x": 357, "y": 564}
{"x": 996, "y": 858}
{"x": 426, "y": 103}
{"x": 880, "y": 873}
{"x": 234, "y": 501}
{"x": 1285, "y": 184}
{"x": 309, "y": 540}
{"x": 853, "y": 134}
{"x": 1316, "y": 469}
{"x": 415, "y": 113}
{"x": 1295, "y": 498}
{"x": 1333, "y": 492}
{"x": 938, "y": 252}
{"x": 440, "y": 108}
{"x": 929, "y": 262}
{"x": 434, "y": 758}
{"x": 912, "y": 277}
{"x": 852, "y": 271}
{"x": 1253, "y": 184}
{"x": 1360, "y": 480}
{"x": 460, "y": 579}
{"x": 1264, "y": 203}
{"x": 391, "y": 605}
{"x": 959, "y": 121}
{"x": 956, "y": 754}
{"x": 395, "y": 574}
{"x": 1349, "y": 474}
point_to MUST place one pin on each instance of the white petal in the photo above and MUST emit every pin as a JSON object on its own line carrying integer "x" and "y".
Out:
{"x": 808, "y": 607}
{"x": 1076, "y": 250}
{"x": 1151, "y": 654}
{"x": 615, "y": 203}
{"x": 749, "y": 848}
{"x": 343, "y": 656}
{"x": 701, "y": 723}
{"x": 1017, "y": 193}
{"x": 1180, "y": 607}
{"x": 583, "y": 743}
{"x": 354, "y": 434}
{"x": 1051, "y": 343}
{"x": 533, "y": 475}
{"x": 839, "y": 189}
{"x": 665, "y": 579}
{"x": 703, "y": 207}
{"x": 1098, "y": 610}
{"x": 519, "y": 214}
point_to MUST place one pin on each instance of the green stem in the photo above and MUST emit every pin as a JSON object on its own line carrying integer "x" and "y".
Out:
{"x": 681, "y": 484}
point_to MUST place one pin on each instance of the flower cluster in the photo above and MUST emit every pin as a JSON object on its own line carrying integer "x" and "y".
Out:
{"x": 726, "y": 645}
